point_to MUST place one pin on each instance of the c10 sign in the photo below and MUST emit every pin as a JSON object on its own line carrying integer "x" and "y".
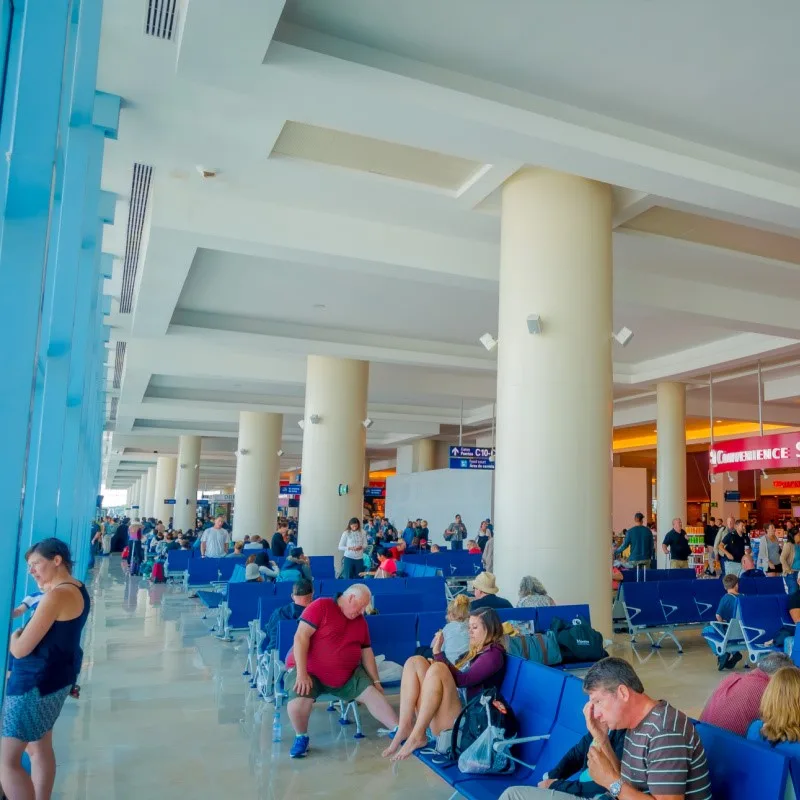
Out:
{"x": 756, "y": 452}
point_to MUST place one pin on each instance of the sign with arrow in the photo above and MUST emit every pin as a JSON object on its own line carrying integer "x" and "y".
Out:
{"x": 471, "y": 457}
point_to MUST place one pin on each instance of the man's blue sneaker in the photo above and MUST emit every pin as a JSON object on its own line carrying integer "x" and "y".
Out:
{"x": 300, "y": 747}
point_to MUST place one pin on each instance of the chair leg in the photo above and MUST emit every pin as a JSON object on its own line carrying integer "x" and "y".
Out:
{"x": 359, "y": 734}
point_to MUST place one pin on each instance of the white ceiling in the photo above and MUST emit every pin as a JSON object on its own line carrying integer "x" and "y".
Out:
{"x": 374, "y": 232}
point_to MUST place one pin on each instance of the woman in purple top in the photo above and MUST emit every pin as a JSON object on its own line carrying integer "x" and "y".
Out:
{"x": 431, "y": 689}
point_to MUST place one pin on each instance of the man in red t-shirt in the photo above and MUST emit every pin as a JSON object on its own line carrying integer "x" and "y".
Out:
{"x": 397, "y": 551}
{"x": 735, "y": 703}
{"x": 332, "y": 655}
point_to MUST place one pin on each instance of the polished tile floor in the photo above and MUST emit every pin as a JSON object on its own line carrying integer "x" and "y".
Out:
{"x": 165, "y": 712}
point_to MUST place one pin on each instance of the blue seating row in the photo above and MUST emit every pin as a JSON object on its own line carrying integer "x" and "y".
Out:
{"x": 549, "y": 708}
{"x": 767, "y": 585}
{"x": 761, "y": 617}
{"x": 453, "y": 564}
{"x": 664, "y": 606}
{"x": 389, "y": 597}
{"x": 204, "y": 571}
{"x": 654, "y": 575}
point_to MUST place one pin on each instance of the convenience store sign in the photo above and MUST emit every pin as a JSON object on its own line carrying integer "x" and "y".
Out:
{"x": 756, "y": 452}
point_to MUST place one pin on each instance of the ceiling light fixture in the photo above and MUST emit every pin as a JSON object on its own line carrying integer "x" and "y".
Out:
{"x": 534, "y": 323}
{"x": 280, "y": 453}
{"x": 301, "y": 423}
{"x": 712, "y": 478}
{"x": 244, "y": 451}
{"x": 623, "y": 336}
{"x": 729, "y": 476}
{"x": 367, "y": 423}
{"x": 315, "y": 419}
{"x": 764, "y": 475}
{"x": 488, "y": 341}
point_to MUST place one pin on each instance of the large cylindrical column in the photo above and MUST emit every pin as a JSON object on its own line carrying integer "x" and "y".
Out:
{"x": 150, "y": 491}
{"x": 333, "y": 451}
{"x": 554, "y": 389}
{"x": 133, "y": 499}
{"x": 670, "y": 459}
{"x": 166, "y": 467}
{"x": 186, "y": 483}
{"x": 257, "y": 474}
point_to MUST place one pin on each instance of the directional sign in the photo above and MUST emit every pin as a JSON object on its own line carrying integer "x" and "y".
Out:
{"x": 374, "y": 491}
{"x": 290, "y": 488}
{"x": 471, "y": 463}
{"x": 471, "y": 452}
{"x": 170, "y": 502}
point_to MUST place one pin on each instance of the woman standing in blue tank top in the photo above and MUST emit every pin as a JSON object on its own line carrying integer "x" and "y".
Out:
{"x": 45, "y": 661}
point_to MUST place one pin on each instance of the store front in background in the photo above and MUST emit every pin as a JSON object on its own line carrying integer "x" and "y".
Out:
{"x": 291, "y": 493}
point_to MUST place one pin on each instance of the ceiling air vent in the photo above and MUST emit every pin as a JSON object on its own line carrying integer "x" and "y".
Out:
{"x": 119, "y": 363}
{"x": 140, "y": 192}
{"x": 161, "y": 20}
{"x": 112, "y": 411}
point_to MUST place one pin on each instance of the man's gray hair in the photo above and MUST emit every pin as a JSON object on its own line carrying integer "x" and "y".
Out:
{"x": 772, "y": 662}
{"x": 360, "y": 590}
{"x": 611, "y": 673}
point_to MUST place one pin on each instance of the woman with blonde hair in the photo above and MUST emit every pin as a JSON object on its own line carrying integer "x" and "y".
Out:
{"x": 456, "y": 631}
{"x": 780, "y": 709}
{"x": 430, "y": 690}
{"x": 532, "y": 594}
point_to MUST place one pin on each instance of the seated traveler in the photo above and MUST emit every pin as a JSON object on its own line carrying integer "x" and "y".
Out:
{"x": 431, "y": 689}
{"x": 576, "y": 760}
{"x": 302, "y": 595}
{"x": 726, "y": 611}
{"x": 472, "y": 547}
{"x": 735, "y": 703}
{"x": 435, "y": 548}
{"x": 456, "y": 631}
{"x": 296, "y": 566}
{"x": 251, "y": 573}
{"x": 532, "y": 594}
{"x": 662, "y": 757}
{"x": 749, "y": 568}
{"x": 780, "y": 710}
{"x": 387, "y": 566}
{"x": 486, "y": 593}
{"x": 332, "y": 655}
{"x": 238, "y": 550}
{"x": 397, "y": 550}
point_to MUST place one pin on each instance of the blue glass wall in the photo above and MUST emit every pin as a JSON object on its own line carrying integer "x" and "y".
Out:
{"x": 53, "y": 122}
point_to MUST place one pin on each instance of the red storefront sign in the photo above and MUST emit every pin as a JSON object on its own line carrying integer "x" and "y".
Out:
{"x": 756, "y": 452}
{"x": 786, "y": 484}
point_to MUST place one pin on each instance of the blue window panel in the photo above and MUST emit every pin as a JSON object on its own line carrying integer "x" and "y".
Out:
{"x": 28, "y": 130}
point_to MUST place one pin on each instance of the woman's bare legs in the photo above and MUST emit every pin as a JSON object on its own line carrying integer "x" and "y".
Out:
{"x": 414, "y": 671}
{"x": 439, "y": 705}
{"x": 16, "y": 782}
{"x": 43, "y": 766}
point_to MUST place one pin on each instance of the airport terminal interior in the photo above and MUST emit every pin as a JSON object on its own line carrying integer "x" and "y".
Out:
{"x": 366, "y": 280}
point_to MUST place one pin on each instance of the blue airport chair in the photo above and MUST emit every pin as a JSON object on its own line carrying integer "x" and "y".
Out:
{"x": 398, "y": 603}
{"x": 428, "y": 623}
{"x": 546, "y": 614}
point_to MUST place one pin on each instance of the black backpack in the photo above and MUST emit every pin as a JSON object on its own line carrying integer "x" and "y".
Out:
{"x": 472, "y": 721}
{"x": 578, "y": 640}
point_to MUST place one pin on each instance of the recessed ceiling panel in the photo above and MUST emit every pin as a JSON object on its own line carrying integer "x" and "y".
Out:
{"x": 327, "y": 146}
{"x": 717, "y": 233}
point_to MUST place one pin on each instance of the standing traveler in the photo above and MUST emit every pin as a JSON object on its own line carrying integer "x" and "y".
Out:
{"x": 640, "y": 539}
{"x": 352, "y": 544}
{"x": 734, "y": 546}
{"x": 215, "y": 540}
{"x": 456, "y": 533}
{"x": 723, "y": 531}
{"x": 709, "y": 535}
{"x": 677, "y": 545}
{"x": 45, "y": 661}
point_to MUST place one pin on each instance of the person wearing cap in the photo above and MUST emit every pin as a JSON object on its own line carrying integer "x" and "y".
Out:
{"x": 296, "y": 566}
{"x": 487, "y": 593}
{"x": 353, "y": 544}
{"x": 251, "y": 573}
{"x": 302, "y": 595}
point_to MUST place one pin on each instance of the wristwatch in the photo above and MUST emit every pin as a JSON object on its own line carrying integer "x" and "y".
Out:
{"x": 615, "y": 789}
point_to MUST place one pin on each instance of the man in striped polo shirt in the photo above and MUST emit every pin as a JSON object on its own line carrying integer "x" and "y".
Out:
{"x": 663, "y": 756}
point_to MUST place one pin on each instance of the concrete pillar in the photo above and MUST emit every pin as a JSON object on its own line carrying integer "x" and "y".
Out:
{"x": 670, "y": 459}
{"x": 554, "y": 388}
{"x": 419, "y": 456}
{"x": 333, "y": 451}
{"x": 135, "y": 499}
{"x": 186, "y": 482}
{"x": 166, "y": 468}
{"x": 257, "y": 474}
{"x": 150, "y": 491}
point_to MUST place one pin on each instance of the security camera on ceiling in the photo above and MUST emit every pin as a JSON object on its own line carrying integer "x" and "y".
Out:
{"x": 534, "y": 323}
{"x": 623, "y": 336}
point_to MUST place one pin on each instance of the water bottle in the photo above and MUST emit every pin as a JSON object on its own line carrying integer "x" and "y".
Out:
{"x": 276, "y": 727}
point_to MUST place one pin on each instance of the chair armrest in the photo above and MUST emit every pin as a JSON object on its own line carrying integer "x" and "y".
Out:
{"x": 506, "y": 743}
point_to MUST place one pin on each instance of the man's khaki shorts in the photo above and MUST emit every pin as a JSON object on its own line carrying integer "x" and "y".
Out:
{"x": 676, "y": 564}
{"x": 358, "y": 683}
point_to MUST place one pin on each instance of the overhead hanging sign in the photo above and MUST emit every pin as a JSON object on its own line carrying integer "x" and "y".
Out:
{"x": 775, "y": 451}
{"x": 290, "y": 488}
{"x": 170, "y": 501}
{"x": 471, "y": 457}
